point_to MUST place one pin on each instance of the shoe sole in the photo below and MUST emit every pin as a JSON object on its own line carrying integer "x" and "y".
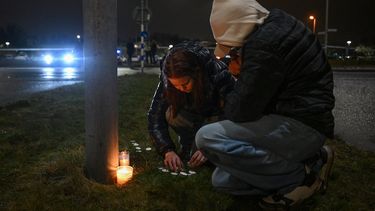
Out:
{"x": 327, "y": 168}
{"x": 279, "y": 207}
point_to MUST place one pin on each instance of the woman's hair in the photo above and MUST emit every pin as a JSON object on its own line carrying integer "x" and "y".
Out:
{"x": 178, "y": 63}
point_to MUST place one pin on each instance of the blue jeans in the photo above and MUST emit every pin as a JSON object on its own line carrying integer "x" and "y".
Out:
{"x": 260, "y": 157}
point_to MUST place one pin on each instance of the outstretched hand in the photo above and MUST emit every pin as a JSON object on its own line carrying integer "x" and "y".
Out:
{"x": 197, "y": 159}
{"x": 173, "y": 161}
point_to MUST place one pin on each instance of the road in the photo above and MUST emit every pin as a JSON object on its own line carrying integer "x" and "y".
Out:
{"x": 354, "y": 111}
{"x": 355, "y": 108}
{"x": 17, "y": 83}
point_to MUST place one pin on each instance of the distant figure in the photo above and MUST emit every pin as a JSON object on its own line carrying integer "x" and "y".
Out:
{"x": 130, "y": 51}
{"x": 148, "y": 52}
{"x": 154, "y": 49}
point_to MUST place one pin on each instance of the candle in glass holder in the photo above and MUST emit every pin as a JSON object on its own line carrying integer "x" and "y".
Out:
{"x": 124, "y": 158}
{"x": 124, "y": 174}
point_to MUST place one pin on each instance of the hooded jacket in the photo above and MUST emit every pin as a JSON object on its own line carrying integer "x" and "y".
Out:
{"x": 220, "y": 82}
{"x": 284, "y": 71}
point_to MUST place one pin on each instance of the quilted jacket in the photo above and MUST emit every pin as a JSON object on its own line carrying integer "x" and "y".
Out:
{"x": 284, "y": 71}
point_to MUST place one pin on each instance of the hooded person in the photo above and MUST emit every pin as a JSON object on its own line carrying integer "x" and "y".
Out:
{"x": 279, "y": 113}
{"x": 192, "y": 87}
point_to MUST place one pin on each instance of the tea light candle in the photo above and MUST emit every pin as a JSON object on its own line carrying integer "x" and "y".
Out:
{"x": 124, "y": 158}
{"x": 124, "y": 174}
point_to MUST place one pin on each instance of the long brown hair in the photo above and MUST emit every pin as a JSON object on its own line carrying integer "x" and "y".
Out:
{"x": 181, "y": 62}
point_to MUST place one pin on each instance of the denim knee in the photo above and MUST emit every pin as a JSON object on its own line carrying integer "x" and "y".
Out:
{"x": 203, "y": 136}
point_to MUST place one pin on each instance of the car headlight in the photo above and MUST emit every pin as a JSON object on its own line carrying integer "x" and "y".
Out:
{"x": 68, "y": 58}
{"x": 48, "y": 59}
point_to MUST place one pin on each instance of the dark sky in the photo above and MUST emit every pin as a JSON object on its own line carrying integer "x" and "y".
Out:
{"x": 188, "y": 18}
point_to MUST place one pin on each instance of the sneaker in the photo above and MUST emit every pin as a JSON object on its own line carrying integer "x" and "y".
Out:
{"x": 313, "y": 183}
{"x": 290, "y": 200}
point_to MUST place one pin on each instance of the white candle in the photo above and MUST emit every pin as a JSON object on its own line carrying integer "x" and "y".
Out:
{"x": 124, "y": 174}
{"x": 124, "y": 158}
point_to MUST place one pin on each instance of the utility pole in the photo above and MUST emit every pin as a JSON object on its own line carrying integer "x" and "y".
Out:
{"x": 326, "y": 29}
{"x": 142, "y": 16}
{"x": 147, "y": 17}
{"x": 101, "y": 109}
{"x": 142, "y": 37}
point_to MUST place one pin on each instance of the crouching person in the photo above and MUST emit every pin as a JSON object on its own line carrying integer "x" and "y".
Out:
{"x": 191, "y": 91}
{"x": 280, "y": 111}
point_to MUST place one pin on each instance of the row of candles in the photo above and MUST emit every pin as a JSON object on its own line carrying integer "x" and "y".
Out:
{"x": 124, "y": 171}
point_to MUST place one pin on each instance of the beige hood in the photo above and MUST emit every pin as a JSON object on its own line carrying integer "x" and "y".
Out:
{"x": 233, "y": 20}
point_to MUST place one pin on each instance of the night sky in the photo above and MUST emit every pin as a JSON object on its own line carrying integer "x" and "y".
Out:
{"x": 187, "y": 18}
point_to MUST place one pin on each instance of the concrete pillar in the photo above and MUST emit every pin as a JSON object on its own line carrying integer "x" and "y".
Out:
{"x": 101, "y": 108}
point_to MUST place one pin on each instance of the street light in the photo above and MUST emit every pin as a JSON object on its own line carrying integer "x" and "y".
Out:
{"x": 311, "y": 17}
{"x": 348, "y": 48}
{"x": 7, "y": 44}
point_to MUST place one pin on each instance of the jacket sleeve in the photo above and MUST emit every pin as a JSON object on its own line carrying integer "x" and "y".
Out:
{"x": 260, "y": 77}
{"x": 157, "y": 123}
{"x": 224, "y": 81}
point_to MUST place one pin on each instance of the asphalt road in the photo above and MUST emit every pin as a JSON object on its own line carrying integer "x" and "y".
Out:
{"x": 18, "y": 83}
{"x": 354, "y": 91}
{"x": 355, "y": 108}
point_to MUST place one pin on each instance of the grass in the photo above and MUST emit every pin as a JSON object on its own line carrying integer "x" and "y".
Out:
{"x": 42, "y": 144}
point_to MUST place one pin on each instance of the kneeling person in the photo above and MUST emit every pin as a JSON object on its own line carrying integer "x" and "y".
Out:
{"x": 192, "y": 88}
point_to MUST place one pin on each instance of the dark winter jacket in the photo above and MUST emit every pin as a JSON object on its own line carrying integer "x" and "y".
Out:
{"x": 220, "y": 82}
{"x": 284, "y": 71}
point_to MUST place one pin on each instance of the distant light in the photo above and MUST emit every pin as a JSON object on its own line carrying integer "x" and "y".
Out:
{"x": 7, "y": 43}
{"x": 78, "y": 36}
{"x": 135, "y": 46}
{"x": 48, "y": 58}
{"x": 311, "y": 17}
{"x": 170, "y": 46}
{"x": 118, "y": 51}
{"x": 348, "y": 42}
{"x": 68, "y": 58}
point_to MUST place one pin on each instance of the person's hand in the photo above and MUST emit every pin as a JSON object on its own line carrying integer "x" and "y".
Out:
{"x": 172, "y": 161}
{"x": 197, "y": 159}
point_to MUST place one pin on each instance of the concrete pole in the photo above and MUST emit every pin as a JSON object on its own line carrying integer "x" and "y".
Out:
{"x": 326, "y": 29}
{"x": 101, "y": 109}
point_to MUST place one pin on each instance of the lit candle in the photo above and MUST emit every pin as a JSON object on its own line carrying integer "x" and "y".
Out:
{"x": 124, "y": 174}
{"x": 124, "y": 158}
